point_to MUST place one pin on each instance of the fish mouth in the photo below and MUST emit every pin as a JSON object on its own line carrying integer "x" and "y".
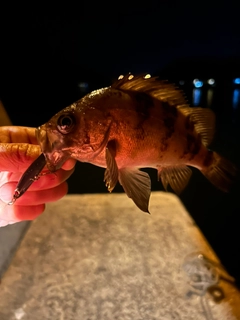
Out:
{"x": 50, "y": 144}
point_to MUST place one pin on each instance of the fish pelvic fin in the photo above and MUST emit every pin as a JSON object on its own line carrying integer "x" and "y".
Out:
{"x": 137, "y": 185}
{"x": 203, "y": 120}
{"x": 177, "y": 177}
{"x": 220, "y": 171}
{"x": 111, "y": 172}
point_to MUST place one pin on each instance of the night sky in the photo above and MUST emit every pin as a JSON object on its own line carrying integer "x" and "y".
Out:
{"x": 118, "y": 39}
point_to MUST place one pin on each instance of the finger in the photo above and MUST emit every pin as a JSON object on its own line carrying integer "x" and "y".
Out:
{"x": 69, "y": 164}
{"x": 28, "y": 212}
{"x": 33, "y": 197}
{"x": 17, "y": 157}
{"x": 47, "y": 181}
{"x": 51, "y": 180}
{"x": 14, "y": 134}
{"x": 13, "y": 214}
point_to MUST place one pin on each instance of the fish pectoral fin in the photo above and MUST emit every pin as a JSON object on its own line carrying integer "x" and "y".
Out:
{"x": 137, "y": 185}
{"x": 111, "y": 172}
{"x": 178, "y": 177}
{"x": 102, "y": 145}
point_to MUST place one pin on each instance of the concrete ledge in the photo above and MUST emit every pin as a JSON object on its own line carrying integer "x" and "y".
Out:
{"x": 10, "y": 238}
{"x": 99, "y": 257}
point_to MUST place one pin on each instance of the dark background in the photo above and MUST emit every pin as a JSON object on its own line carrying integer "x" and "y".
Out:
{"x": 48, "y": 54}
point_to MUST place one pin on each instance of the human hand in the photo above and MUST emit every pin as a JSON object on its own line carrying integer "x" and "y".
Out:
{"x": 18, "y": 149}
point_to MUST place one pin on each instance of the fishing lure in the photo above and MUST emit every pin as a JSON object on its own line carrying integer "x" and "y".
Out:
{"x": 32, "y": 174}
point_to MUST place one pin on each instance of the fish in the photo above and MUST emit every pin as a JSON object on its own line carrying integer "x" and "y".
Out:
{"x": 138, "y": 122}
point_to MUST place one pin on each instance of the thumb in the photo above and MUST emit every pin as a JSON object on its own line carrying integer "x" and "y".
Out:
{"x": 17, "y": 157}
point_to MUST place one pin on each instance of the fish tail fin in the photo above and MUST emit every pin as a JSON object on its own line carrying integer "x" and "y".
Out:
{"x": 221, "y": 172}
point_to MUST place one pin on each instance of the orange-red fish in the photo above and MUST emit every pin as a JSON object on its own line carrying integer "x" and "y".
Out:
{"x": 135, "y": 123}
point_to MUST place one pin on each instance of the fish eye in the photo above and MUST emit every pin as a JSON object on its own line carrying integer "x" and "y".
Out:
{"x": 66, "y": 123}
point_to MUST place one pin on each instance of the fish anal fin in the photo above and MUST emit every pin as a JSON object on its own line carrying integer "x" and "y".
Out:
{"x": 137, "y": 186}
{"x": 111, "y": 172}
{"x": 177, "y": 177}
{"x": 203, "y": 120}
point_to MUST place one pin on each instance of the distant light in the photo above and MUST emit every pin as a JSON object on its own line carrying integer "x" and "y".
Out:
{"x": 83, "y": 86}
{"x": 236, "y": 99}
{"x": 181, "y": 82}
{"x": 197, "y": 83}
{"x": 196, "y": 96}
{"x": 209, "y": 97}
{"x": 120, "y": 77}
{"x": 131, "y": 77}
{"x": 236, "y": 81}
{"x": 211, "y": 82}
{"x": 147, "y": 76}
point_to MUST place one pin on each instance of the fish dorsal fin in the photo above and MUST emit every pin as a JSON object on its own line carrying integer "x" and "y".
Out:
{"x": 203, "y": 120}
{"x": 177, "y": 177}
{"x": 137, "y": 185}
{"x": 159, "y": 89}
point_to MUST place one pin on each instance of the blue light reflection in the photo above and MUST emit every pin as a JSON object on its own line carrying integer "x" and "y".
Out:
{"x": 236, "y": 99}
{"x": 197, "y": 93}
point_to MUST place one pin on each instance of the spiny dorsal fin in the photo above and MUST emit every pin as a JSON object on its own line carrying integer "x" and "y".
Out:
{"x": 159, "y": 89}
{"x": 177, "y": 177}
{"x": 203, "y": 120}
